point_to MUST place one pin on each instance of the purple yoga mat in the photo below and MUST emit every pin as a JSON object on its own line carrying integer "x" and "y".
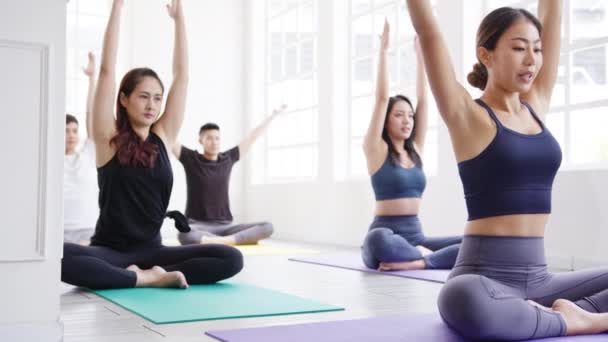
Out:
{"x": 352, "y": 261}
{"x": 425, "y": 327}
{"x": 402, "y": 328}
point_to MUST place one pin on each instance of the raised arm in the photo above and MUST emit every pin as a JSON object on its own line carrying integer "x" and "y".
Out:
{"x": 89, "y": 71}
{"x": 246, "y": 144}
{"x": 421, "y": 122}
{"x": 104, "y": 126}
{"x": 169, "y": 124}
{"x": 372, "y": 142}
{"x": 452, "y": 98}
{"x": 550, "y": 16}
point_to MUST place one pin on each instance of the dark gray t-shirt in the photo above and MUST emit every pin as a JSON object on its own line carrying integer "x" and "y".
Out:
{"x": 208, "y": 182}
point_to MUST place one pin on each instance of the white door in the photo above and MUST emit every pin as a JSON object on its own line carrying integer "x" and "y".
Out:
{"x": 32, "y": 114}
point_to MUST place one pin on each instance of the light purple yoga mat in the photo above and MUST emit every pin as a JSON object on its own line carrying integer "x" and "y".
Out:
{"x": 425, "y": 327}
{"x": 352, "y": 261}
{"x": 403, "y": 328}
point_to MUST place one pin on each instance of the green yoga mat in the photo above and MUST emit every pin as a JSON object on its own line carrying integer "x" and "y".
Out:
{"x": 208, "y": 302}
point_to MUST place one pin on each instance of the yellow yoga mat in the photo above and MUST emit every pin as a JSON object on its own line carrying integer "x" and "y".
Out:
{"x": 273, "y": 250}
{"x": 261, "y": 249}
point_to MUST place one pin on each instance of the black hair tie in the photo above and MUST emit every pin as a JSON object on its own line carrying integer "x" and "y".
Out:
{"x": 181, "y": 223}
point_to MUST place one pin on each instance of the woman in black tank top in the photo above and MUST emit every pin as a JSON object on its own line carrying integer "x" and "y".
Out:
{"x": 135, "y": 181}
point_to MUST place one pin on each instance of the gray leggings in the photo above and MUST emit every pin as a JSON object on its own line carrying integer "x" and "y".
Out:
{"x": 244, "y": 234}
{"x": 394, "y": 238}
{"x": 485, "y": 296}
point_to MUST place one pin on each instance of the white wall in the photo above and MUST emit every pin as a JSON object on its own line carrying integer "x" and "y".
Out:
{"x": 216, "y": 91}
{"x": 339, "y": 212}
{"x": 579, "y": 222}
{"x": 32, "y": 93}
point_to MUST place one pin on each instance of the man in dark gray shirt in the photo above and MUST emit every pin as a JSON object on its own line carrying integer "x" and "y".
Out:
{"x": 208, "y": 180}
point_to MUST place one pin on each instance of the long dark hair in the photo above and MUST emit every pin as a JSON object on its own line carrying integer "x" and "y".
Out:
{"x": 130, "y": 148}
{"x": 409, "y": 142}
{"x": 490, "y": 30}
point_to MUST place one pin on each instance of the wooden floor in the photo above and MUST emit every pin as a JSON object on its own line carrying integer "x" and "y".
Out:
{"x": 87, "y": 317}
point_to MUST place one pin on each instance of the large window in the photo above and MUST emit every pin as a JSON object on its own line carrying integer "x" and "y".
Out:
{"x": 292, "y": 146}
{"x": 366, "y": 22}
{"x": 349, "y": 47}
{"x": 579, "y": 106}
{"x": 86, "y": 22}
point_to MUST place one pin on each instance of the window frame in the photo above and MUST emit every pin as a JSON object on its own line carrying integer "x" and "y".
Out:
{"x": 268, "y": 148}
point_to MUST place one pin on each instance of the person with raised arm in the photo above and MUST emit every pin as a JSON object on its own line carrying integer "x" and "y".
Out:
{"x": 500, "y": 288}
{"x": 135, "y": 180}
{"x": 208, "y": 181}
{"x": 394, "y": 146}
{"x": 80, "y": 190}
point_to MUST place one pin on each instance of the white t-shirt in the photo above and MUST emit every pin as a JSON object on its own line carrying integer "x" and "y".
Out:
{"x": 80, "y": 189}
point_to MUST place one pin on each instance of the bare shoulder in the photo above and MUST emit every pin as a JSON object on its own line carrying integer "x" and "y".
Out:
{"x": 375, "y": 157}
{"x": 472, "y": 114}
{"x": 104, "y": 152}
{"x": 168, "y": 145}
{"x": 474, "y": 134}
{"x": 539, "y": 105}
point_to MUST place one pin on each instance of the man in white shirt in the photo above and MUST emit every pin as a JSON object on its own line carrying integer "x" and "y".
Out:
{"x": 80, "y": 189}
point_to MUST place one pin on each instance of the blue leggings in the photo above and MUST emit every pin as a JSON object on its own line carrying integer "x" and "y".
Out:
{"x": 394, "y": 238}
{"x": 485, "y": 296}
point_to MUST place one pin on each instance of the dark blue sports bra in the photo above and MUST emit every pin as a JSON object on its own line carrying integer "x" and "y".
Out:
{"x": 395, "y": 181}
{"x": 513, "y": 175}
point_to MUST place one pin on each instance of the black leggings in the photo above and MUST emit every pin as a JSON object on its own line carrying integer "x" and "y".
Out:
{"x": 100, "y": 267}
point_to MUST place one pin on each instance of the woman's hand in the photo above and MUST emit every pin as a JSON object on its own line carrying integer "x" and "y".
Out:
{"x": 175, "y": 9}
{"x": 385, "y": 37}
{"x": 89, "y": 70}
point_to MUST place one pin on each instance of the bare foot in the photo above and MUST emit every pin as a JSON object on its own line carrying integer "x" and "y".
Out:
{"x": 542, "y": 307}
{"x": 402, "y": 265}
{"x": 158, "y": 277}
{"x": 221, "y": 240}
{"x": 578, "y": 321}
{"x": 424, "y": 250}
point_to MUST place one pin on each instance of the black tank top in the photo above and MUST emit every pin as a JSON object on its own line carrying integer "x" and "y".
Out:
{"x": 133, "y": 201}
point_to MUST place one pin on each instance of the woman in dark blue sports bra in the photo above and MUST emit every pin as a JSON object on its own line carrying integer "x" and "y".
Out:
{"x": 500, "y": 288}
{"x": 393, "y": 147}
{"x": 135, "y": 180}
